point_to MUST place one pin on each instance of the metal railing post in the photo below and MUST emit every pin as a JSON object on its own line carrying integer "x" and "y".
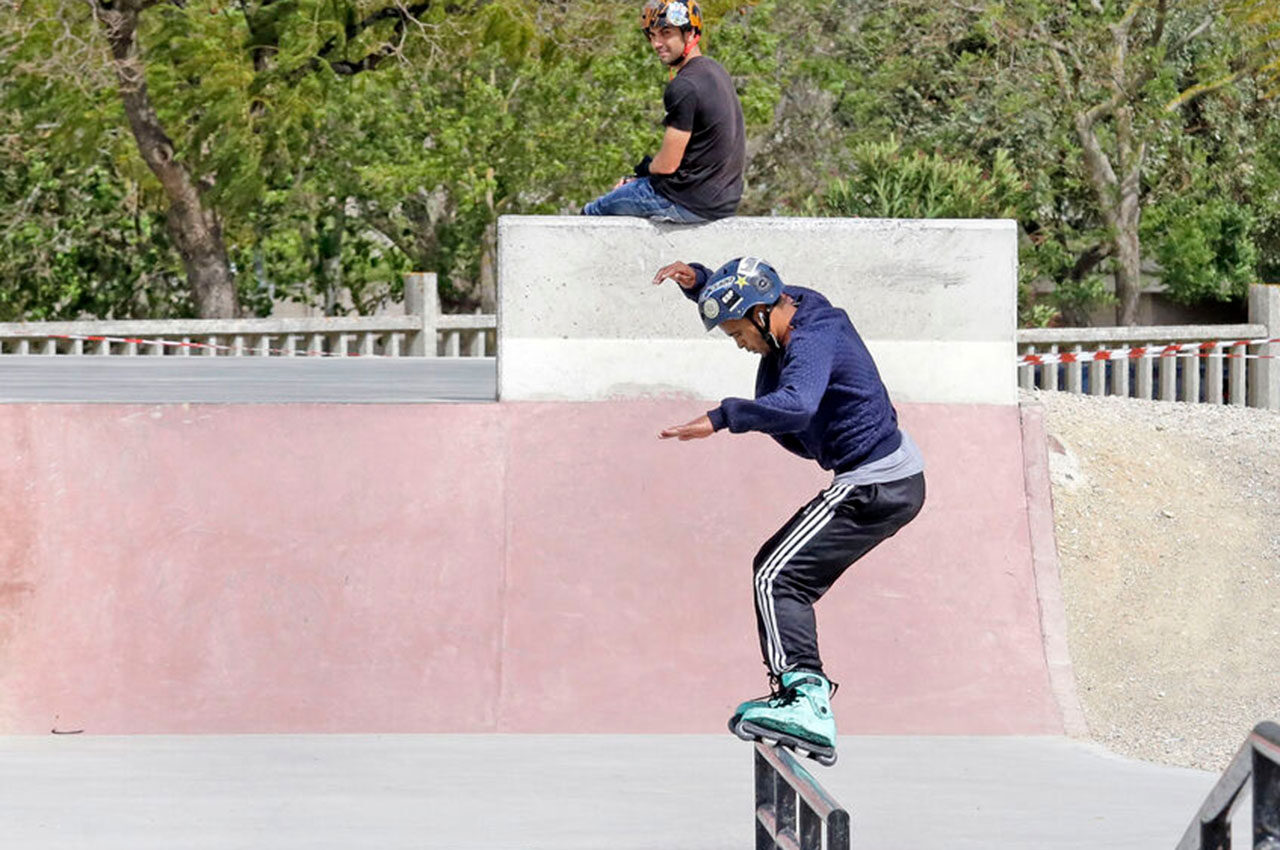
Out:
{"x": 1258, "y": 759}
{"x": 792, "y": 807}
{"x": 764, "y": 801}
{"x": 1266, "y": 797}
{"x": 784, "y": 810}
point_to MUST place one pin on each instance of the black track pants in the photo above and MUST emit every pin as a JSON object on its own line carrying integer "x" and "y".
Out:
{"x": 797, "y": 565}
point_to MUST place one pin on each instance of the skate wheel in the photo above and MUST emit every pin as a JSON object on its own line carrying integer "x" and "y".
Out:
{"x": 735, "y": 726}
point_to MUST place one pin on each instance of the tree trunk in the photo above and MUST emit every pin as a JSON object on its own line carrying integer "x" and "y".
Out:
{"x": 1131, "y": 152}
{"x": 486, "y": 291}
{"x": 1128, "y": 274}
{"x": 1120, "y": 201}
{"x": 330, "y": 228}
{"x": 196, "y": 232}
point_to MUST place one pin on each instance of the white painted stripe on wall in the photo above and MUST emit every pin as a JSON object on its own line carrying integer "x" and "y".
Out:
{"x": 712, "y": 368}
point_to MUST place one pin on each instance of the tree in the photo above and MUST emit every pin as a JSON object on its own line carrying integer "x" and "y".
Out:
{"x": 1076, "y": 93}
{"x": 1108, "y": 61}
{"x": 331, "y": 144}
{"x": 213, "y": 95}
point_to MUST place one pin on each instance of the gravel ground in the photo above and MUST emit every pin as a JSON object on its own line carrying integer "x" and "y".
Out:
{"x": 1168, "y": 525}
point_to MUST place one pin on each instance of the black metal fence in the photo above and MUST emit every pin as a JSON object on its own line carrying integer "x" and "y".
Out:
{"x": 1259, "y": 759}
{"x": 792, "y": 809}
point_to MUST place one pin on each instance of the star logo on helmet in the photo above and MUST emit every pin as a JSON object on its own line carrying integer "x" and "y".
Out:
{"x": 741, "y": 282}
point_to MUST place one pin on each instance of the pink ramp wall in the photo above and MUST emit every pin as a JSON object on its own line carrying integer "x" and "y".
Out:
{"x": 478, "y": 568}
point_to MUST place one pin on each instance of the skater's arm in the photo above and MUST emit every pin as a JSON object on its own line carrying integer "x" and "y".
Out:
{"x": 806, "y": 371}
{"x": 691, "y": 277}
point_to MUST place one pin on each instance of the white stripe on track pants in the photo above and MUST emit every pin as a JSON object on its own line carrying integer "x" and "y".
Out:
{"x": 798, "y": 564}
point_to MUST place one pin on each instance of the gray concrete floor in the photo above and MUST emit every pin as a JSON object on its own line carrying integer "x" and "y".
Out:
{"x": 581, "y": 791}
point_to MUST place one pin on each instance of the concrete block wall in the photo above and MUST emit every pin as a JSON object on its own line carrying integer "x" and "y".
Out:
{"x": 936, "y": 302}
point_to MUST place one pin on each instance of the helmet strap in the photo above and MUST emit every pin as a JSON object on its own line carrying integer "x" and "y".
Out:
{"x": 762, "y": 322}
{"x": 691, "y": 43}
{"x": 688, "y": 45}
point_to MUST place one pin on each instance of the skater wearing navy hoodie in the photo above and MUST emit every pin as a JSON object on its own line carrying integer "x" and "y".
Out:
{"x": 819, "y": 395}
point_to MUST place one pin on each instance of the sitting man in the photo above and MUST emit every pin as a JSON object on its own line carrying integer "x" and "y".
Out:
{"x": 819, "y": 395}
{"x": 697, "y": 173}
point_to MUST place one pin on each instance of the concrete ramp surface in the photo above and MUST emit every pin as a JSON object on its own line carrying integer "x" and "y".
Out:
{"x": 529, "y": 567}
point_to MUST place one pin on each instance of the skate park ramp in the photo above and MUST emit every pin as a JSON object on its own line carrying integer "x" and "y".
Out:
{"x": 223, "y": 568}
{"x": 304, "y": 594}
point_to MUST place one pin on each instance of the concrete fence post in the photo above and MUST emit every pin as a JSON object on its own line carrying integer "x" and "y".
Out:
{"x": 422, "y": 298}
{"x": 1264, "y": 309}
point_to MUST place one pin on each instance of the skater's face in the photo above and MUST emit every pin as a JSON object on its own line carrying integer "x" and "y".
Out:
{"x": 668, "y": 43}
{"x": 746, "y": 335}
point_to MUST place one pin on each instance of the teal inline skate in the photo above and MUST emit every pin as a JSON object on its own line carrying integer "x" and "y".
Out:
{"x": 771, "y": 698}
{"x": 796, "y": 716}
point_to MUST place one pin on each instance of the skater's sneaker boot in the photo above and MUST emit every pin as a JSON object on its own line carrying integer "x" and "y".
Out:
{"x": 801, "y": 713}
{"x": 775, "y": 692}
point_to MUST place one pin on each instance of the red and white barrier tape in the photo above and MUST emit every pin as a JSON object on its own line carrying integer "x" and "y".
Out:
{"x": 206, "y": 346}
{"x": 1173, "y": 349}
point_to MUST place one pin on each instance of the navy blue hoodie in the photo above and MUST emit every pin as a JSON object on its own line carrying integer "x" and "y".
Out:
{"x": 821, "y": 397}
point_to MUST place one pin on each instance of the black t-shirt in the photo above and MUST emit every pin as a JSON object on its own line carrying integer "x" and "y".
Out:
{"x": 701, "y": 100}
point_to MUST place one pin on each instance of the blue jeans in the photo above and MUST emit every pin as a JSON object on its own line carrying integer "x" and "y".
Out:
{"x": 638, "y": 198}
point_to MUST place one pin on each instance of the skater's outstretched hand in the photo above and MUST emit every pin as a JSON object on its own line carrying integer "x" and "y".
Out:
{"x": 681, "y": 273}
{"x": 695, "y": 430}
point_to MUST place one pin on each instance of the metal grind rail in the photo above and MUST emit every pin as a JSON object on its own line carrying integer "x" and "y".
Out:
{"x": 1258, "y": 759}
{"x": 792, "y": 809}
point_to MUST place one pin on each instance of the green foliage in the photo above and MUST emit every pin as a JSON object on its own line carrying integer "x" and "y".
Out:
{"x": 340, "y": 146}
{"x": 80, "y": 240}
{"x": 1205, "y": 248}
{"x": 964, "y": 84}
{"x": 887, "y": 183}
{"x": 1074, "y": 299}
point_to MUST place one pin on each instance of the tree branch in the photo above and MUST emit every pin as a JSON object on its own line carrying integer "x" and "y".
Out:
{"x": 1090, "y": 259}
{"x": 1162, "y": 15}
{"x": 1056, "y": 51}
{"x": 1101, "y": 173}
{"x": 1120, "y": 52}
{"x": 1202, "y": 89}
{"x": 1102, "y": 110}
{"x": 348, "y": 68}
{"x": 401, "y": 14}
{"x": 1193, "y": 35}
